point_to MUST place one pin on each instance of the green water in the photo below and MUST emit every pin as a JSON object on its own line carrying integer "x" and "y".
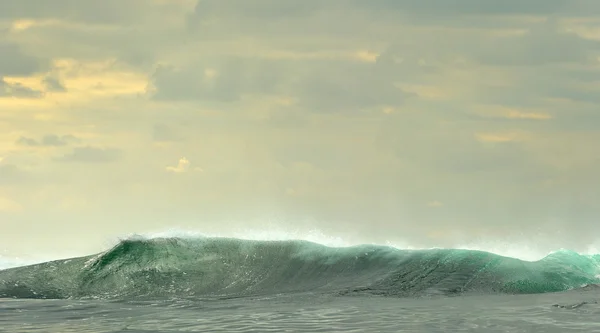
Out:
{"x": 219, "y": 267}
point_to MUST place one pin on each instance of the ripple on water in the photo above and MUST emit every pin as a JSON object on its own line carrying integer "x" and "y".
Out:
{"x": 525, "y": 313}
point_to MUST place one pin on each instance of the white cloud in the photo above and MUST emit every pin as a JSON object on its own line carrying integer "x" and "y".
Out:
{"x": 183, "y": 165}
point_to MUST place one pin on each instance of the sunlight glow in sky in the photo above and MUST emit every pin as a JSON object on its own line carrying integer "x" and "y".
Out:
{"x": 430, "y": 122}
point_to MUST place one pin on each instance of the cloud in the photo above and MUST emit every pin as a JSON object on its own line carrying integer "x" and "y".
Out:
{"x": 322, "y": 86}
{"x": 208, "y": 10}
{"x": 83, "y": 31}
{"x": 50, "y": 140}
{"x": 18, "y": 90}
{"x": 55, "y": 140}
{"x": 544, "y": 43}
{"x": 53, "y": 84}
{"x": 342, "y": 87}
{"x": 24, "y": 141}
{"x": 183, "y": 165}
{"x": 226, "y": 82}
{"x": 90, "y": 154}
{"x": 15, "y": 62}
{"x": 461, "y": 9}
{"x": 110, "y": 11}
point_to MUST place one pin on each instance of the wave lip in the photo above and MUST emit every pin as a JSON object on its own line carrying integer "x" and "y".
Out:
{"x": 205, "y": 267}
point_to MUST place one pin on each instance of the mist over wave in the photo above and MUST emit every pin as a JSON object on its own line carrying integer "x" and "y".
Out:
{"x": 527, "y": 251}
{"x": 519, "y": 250}
{"x": 10, "y": 261}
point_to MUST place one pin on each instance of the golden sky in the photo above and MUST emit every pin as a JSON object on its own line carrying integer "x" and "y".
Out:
{"x": 430, "y": 122}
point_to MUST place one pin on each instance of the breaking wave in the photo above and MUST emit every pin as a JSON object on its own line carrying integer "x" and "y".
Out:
{"x": 227, "y": 267}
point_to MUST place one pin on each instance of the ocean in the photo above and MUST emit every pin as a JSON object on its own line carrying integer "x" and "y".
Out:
{"x": 231, "y": 285}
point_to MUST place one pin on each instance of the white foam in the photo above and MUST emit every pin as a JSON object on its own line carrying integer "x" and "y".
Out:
{"x": 520, "y": 250}
{"x": 592, "y": 249}
{"x": 312, "y": 235}
{"x": 10, "y": 262}
{"x": 503, "y": 248}
{"x": 507, "y": 249}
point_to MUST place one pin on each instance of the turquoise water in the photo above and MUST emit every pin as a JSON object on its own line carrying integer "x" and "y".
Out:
{"x": 173, "y": 267}
{"x": 232, "y": 285}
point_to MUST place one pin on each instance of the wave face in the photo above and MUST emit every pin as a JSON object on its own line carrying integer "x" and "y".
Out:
{"x": 222, "y": 267}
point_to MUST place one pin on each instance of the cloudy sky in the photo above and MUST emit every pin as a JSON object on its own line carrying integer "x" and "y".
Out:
{"x": 429, "y": 122}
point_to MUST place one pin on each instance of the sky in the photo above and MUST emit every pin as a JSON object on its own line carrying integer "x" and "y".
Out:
{"x": 425, "y": 123}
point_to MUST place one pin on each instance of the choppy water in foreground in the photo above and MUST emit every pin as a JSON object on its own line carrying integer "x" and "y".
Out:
{"x": 232, "y": 285}
{"x": 310, "y": 313}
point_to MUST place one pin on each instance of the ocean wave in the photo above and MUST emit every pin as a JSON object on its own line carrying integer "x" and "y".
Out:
{"x": 10, "y": 262}
{"x": 227, "y": 267}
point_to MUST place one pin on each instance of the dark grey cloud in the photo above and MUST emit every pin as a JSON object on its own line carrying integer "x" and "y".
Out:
{"x": 14, "y": 62}
{"x": 265, "y": 14}
{"x": 87, "y": 30}
{"x": 348, "y": 87}
{"x": 533, "y": 86}
{"x": 319, "y": 85}
{"x": 483, "y": 7}
{"x": 18, "y": 90}
{"x": 55, "y": 140}
{"x": 24, "y": 141}
{"x": 51, "y": 140}
{"x": 132, "y": 46}
{"x": 90, "y": 154}
{"x": 207, "y": 10}
{"x": 281, "y": 19}
{"x": 173, "y": 84}
{"x": 577, "y": 120}
{"x": 544, "y": 44}
{"x": 53, "y": 84}
{"x": 108, "y": 11}
{"x": 235, "y": 76}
